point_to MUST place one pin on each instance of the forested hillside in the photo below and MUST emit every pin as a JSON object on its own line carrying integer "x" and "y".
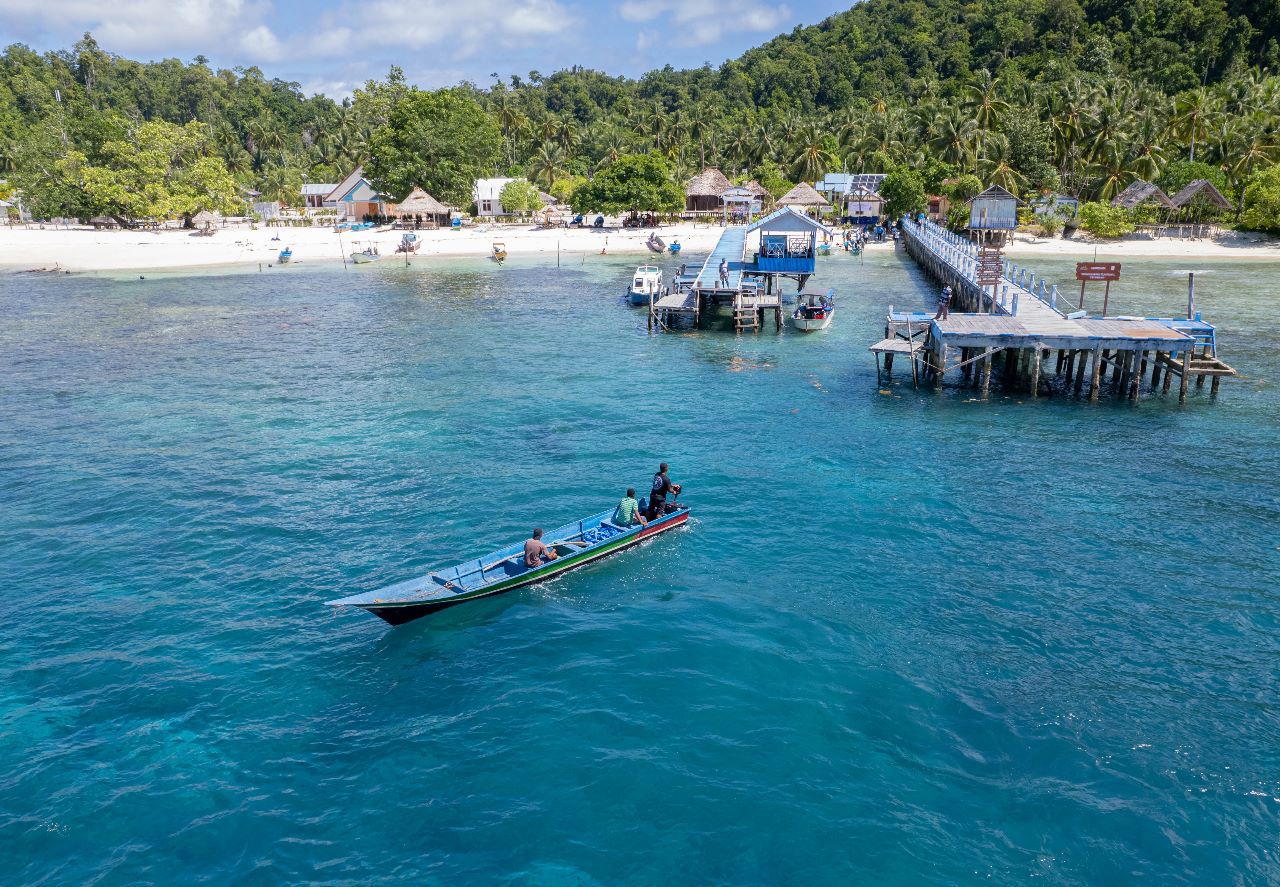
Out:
{"x": 1081, "y": 95}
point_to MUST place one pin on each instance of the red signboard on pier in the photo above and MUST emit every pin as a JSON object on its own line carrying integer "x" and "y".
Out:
{"x": 1098, "y": 271}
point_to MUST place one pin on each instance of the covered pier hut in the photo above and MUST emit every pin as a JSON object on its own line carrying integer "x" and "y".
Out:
{"x": 805, "y": 198}
{"x": 788, "y": 246}
{"x": 703, "y": 194}
{"x": 994, "y": 212}
{"x": 421, "y": 205}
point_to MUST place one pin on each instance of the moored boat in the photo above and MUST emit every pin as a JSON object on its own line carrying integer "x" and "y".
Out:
{"x": 814, "y": 310}
{"x": 824, "y": 249}
{"x": 646, "y": 284}
{"x": 655, "y": 243}
{"x": 368, "y": 254}
{"x": 674, "y": 247}
{"x": 409, "y": 243}
{"x": 499, "y": 251}
{"x": 575, "y": 544}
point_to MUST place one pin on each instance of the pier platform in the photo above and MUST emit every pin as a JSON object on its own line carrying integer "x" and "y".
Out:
{"x": 1019, "y": 320}
{"x": 692, "y": 295}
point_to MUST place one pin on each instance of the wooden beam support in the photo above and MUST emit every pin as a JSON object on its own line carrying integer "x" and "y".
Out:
{"x": 1186, "y": 375}
{"x": 1095, "y": 379}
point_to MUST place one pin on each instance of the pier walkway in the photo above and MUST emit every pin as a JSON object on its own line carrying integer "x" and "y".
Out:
{"x": 1021, "y": 319}
{"x": 732, "y": 248}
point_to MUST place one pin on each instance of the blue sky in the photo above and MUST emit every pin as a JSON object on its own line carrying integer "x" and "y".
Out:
{"x": 331, "y": 46}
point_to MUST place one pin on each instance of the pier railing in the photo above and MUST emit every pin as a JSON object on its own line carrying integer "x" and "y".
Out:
{"x": 960, "y": 254}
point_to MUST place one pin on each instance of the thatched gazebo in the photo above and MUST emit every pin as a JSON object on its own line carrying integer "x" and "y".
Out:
{"x": 804, "y": 197}
{"x": 420, "y": 203}
{"x": 702, "y": 192}
{"x": 1201, "y": 193}
{"x": 1139, "y": 193}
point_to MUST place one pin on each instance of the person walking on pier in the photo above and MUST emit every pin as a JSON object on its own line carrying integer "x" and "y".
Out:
{"x": 944, "y": 304}
{"x": 724, "y": 273}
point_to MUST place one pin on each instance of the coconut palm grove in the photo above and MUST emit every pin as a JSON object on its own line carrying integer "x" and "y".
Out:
{"x": 1081, "y": 97}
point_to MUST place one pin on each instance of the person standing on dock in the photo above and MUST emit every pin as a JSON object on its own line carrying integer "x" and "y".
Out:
{"x": 944, "y": 304}
{"x": 724, "y": 273}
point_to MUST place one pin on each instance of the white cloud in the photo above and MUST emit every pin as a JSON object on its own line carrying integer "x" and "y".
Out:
{"x": 703, "y": 22}
{"x": 150, "y": 26}
{"x": 447, "y": 28}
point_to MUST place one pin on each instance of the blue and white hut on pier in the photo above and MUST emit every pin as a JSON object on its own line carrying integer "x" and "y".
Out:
{"x": 788, "y": 246}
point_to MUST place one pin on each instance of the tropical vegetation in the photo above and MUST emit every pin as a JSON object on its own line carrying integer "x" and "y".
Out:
{"x": 1081, "y": 96}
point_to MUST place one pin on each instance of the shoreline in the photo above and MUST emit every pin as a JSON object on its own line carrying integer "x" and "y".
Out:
{"x": 83, "y": 250}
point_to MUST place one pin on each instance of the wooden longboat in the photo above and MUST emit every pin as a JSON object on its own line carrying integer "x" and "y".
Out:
{"x": 575, "y": 544}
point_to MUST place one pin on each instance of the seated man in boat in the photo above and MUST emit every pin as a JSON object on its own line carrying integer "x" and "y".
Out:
{"x": 658, "y": 494}
{"x": 628, "y": 512}
{"x": 535, "y": 553}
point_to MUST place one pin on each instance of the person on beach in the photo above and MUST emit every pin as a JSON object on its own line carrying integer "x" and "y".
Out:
{"x": 724, "y": 273}
{"x": 944, "y": 304}
{"x": 658, "y": 494}
{"x": 628, "y": 512}
{"x": 535, "y": 552}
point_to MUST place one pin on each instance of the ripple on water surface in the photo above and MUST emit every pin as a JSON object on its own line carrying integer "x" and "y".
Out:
{"x": 905, "y": 638}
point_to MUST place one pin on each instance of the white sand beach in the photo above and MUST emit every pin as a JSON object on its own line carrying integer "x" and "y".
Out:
{"x": 1231, "y": 245}
{"x": 79, "y": 249}
{"x": 82, "y": 249}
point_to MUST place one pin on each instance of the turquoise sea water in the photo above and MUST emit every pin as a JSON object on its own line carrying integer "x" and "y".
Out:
{"x": 907, "y": 639}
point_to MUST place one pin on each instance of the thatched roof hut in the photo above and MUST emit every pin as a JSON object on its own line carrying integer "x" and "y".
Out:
{"x": 804, "y": 196}
{"x": 420, "y": 203}
{"x": 1201, "y": 188}
{"x": 206, "y": 217}
{"x": 1141, "y": 192}
{"x": 758, "y": 190}
{"x": 702, "y": 192}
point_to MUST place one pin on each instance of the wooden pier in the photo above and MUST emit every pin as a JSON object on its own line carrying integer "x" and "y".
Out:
{"x": 691, "y": 297}
{"x": 1014, "y": 324}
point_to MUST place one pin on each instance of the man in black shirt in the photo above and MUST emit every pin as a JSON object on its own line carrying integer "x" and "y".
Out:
{"x": 658, "y": 494}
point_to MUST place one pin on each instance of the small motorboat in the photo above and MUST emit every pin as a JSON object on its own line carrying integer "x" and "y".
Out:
{"x": 655, "y": 243}
{"x": 575, "y": 545}
{"x": 675, "y": 247}
{"x": 646, "y": 285}
{"x": 499, "y": 252}
{"x": 368, "y": 254}
{"x": 409, "y": 243}
{"x": 284, "y": 256}
{"x": 814, "y": 310}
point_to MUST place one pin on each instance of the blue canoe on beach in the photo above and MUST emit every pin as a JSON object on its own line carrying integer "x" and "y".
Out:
{"x": 575, "y": 544}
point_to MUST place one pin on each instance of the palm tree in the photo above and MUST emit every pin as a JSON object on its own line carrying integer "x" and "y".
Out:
{"x": 811, "y": 163}
{"x": 655, "y": 120}
{"x": 956, "y": 139}
{"x": 1148, "y": 160}
{"x": 568, "y": 134}
{"x": 985, "y": 104}
{"x": 548, "y": 162}
{"x": 1191, "y": 111}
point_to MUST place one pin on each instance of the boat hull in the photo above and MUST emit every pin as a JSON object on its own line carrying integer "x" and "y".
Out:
{"x": 812, "y": 324}
{"x": 400, "y": 612}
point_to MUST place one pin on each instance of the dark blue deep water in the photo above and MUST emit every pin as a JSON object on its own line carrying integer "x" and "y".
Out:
{"x": 907, "y": 639}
